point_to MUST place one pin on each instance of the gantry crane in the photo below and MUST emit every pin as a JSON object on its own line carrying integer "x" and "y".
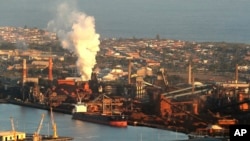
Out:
{"x": 13, "y": 129}
{"x": 36, "y": 136}
{"x": 53, "y": 124}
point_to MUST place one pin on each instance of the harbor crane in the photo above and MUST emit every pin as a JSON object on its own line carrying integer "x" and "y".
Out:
{"x": 162, "y": 71}
{"x": 13, "y": 129}
{"x": 36, "y": 136}
{"x": 53, "y": 124}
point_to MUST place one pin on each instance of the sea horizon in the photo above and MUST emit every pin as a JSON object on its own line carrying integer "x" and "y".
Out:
{"x": 189, "y": 20}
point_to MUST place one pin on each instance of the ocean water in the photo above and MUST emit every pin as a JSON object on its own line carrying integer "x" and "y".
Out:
{"x": 192, "y": 20}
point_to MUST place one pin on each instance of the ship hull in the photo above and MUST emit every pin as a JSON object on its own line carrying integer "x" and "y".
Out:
{"x": 111, "y": 120}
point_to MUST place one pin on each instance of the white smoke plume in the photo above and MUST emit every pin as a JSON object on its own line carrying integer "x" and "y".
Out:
{"x": 76, "y": 31}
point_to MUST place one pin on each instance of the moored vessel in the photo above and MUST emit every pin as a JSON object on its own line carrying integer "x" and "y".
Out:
{"x": 80, "y": 112}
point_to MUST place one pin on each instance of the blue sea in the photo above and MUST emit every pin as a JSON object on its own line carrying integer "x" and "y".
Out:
{"x": 192, "y": 20}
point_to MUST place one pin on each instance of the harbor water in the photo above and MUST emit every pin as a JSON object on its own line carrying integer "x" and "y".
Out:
{"x": 27, "y": 120}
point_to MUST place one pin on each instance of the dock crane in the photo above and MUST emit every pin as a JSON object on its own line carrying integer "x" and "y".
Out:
{"x": 162, "y": 71}
{"x": 36, "y": 136}
{"x": 13, "y": 129}
{"x": 53, "y": 124}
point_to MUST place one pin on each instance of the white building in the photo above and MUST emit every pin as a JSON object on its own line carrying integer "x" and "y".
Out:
{"x": 10, "y": 135}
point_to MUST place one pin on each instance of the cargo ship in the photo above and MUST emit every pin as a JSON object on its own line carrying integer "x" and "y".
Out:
{"x": 80, "y": 112}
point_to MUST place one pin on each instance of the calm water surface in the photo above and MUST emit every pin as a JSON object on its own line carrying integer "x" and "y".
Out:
{"x": 27, "y": 119}
{"x": 195, "y": 20}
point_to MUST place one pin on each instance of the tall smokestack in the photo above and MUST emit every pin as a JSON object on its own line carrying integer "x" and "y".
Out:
{"x": 94, "y": 77}
{"x": 189, "y": 73}
{"x": 50, "y": 77}
{"x": 129, "y": 71}
{"x": 24, "y": 71}
{"x": 236, "y": 74}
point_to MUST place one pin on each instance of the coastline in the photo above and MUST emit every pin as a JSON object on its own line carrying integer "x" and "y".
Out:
{"x": 130, "y": 122}
{"x": 69, "y": 112}
{"x": 38, "y": 106}
{"x": 3, "y": 101}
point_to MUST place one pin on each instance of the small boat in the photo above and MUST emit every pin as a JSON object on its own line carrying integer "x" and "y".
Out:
{"x": 117, "y": 119}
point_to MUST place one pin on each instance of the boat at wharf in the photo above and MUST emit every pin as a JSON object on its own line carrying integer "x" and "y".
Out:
{"x": 103, "y": 110}
{"x": 69, "y": 109}
{"x": 80, "y": 113}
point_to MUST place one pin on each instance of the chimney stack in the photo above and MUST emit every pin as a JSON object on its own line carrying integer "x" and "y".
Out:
{"x": 50, "y": 69}
{"x": 236, "y": 74}
{"x": 129, "y": 71}
{"x": 24, "y": 71}
{"x": 189, "y": 73}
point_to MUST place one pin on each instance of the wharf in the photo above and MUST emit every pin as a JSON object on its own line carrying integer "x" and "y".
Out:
{"x": 206, "y": 139}
{"x": 49, "y": 138}
{"x": 39, "y": 106}
{"x": 69, "y": 111}
{"x": 3, "y": 101}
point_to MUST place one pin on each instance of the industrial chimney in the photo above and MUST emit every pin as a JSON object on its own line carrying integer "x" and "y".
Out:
{"x": 24, "y": 72}
{"x": 129, "y": 72}
{"x": 50, "y": 77}
{"x": 236, "y": 74}
{"x": 189, "y": 73}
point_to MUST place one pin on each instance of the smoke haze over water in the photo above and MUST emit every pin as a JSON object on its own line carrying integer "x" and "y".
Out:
{"x": 77, "y": 33}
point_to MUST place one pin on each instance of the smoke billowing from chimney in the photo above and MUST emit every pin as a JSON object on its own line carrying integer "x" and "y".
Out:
{"x": 76, "y": 31}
